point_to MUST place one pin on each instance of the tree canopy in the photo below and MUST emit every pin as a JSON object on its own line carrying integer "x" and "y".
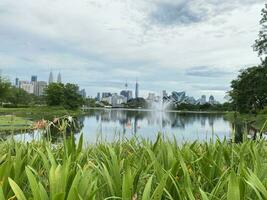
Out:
{"x": 261, "y": 43}
{"x": 58, "y": 94}
{"x": 249, "y": 90}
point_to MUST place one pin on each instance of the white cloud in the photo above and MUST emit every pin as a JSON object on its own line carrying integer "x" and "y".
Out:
{"x": 119, "y": 39}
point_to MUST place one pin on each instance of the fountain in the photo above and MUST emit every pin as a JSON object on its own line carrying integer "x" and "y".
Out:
{"x": 161, "y": 105}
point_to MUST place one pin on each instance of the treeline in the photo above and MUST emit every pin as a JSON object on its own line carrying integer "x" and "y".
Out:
{"x": 205, "y": 107}
{"x": 249, "y": 89}
{"x": 56, "y": 94}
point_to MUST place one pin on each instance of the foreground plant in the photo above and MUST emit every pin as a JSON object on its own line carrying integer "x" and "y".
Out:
{"x": 133, "y": 169}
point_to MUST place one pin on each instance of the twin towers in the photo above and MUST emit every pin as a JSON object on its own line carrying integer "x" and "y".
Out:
{"x": 51, "y": 78}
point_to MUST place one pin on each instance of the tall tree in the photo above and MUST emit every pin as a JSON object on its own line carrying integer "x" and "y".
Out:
{"x": 54, "y": 94}
{"x": 72, "y": 98}
{"x": 249, "y": 90}
{"x": 4, "y": 88}
{"x": 261, "y": 43}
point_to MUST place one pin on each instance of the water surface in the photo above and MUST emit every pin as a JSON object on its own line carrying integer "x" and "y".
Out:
{"x": 109, "y": 124}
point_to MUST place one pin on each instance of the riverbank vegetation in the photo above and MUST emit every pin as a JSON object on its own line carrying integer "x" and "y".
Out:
{"x": 133, "y": 169}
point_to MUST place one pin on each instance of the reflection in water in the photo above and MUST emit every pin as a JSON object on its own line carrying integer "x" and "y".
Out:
{"x": 106, "y": 124}
{"x": 128, "y": 118}
{"x": 185, "y": 126}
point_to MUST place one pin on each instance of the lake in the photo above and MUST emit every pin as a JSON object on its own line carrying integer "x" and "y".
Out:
{"x": 110, "y": 124}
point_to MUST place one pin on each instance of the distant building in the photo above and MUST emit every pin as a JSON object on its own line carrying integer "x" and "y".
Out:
{"x": 98, "y": 97}
{"x": 106, "y": 95}
{"x": 164, "y": 94}
{"x": 17, "y": 82}
{"x": 151, "y": 97}
{"x": 51, "y": 78}
{"x": 59, "y": 78}
{"x": 136, "y": 90}
{"x": 34, "y": 79}
{"x": 212, "y": 99}
{"x": 28, "y": 87}
{"x": 128, "y": 94}
{"x": 40, "y": 87}
{"x": 82, "y": 93}
{"x": 203, "y": 100}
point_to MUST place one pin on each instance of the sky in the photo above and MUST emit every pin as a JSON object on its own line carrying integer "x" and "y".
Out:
{"x": 197, "y": 46}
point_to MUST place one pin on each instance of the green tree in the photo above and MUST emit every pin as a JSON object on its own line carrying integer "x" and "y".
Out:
{"x": 261, "y": 43}
{"x": 72, "y": 98}
{"x": 18, "y": 96}
{"x": 54, "y": 94}
{"x": 249, "y": 90}
{"x": 4, "y": 88}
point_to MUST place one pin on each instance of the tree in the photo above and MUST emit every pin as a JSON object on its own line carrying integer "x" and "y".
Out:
{"x": 4, "y": 88}
{"x": 261, "y": 43}
{"x": 54, "y": 94}
{"x": 18, "y": 96}
{"x": 72, "y": 98}
{"x": 249, "y": 90}
{"x": 58, "y": 94}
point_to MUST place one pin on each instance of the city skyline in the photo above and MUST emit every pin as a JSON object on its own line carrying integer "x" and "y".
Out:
{"x": 166, "y": 44}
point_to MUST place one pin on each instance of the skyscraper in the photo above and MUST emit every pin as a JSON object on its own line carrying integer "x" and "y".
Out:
{"x": 136, "y": 90}
{"x": 59, "y": 78}
{"x": 17, "y": 82}
{"x": 34, "y": 79}
{"x": 51, "y": 79}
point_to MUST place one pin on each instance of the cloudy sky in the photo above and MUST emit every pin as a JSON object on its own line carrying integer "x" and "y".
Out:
{"x": 193, "y": 45}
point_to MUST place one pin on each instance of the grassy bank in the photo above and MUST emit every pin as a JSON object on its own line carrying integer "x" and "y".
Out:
{"x": 131, "y": 170}
{"x": 13, "y": 123}
{"x": 39, "y": 112}
{"x": 256, "y": 121}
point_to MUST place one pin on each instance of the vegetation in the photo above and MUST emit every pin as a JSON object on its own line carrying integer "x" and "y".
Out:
{"x": 136, "y": 103}
{"x": 133, "y": 169}
{"x": 206, "y": 107}
{"x": 39, "y": 112}
{"x": 58, "y": 94}
{"x": 249, "y": 90}
{"x": 11, "y": 122}
{"x": 261, "y": 43}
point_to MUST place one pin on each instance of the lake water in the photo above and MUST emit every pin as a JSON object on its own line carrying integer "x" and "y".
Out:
{"x": 111, "y": 124}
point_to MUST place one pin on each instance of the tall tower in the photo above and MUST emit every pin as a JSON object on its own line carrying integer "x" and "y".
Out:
{"x": 33, "y": 78}
{"x": 136, "y": 89}
{"x": 59, "y": 80}
{"x": 51, "y": 79}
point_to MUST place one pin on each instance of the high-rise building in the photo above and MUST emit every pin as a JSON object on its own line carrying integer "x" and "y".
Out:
{"x": 34, "y": 78}
{"x": 212, "y": 99}
{"x": 98, "y": 97}
{"x": 203, "y": 99}
{"x": 17, "y": 82}
{"x": 106, "y": 95}
{"x": 128, "y": 94}
{"x": 82, "y": 93}
{"x": 28, "y": 87}
{"x": 41, "y": 85}
{"x": 51, "y": 78}
{"x": 136, "y": 90}
{"x": 59, "y": 79}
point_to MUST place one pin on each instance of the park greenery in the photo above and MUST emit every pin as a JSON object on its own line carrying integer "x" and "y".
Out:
{"x": 133, "y": 169}
{"x": 249, "y": 90}
{"x": 58, "y": 94}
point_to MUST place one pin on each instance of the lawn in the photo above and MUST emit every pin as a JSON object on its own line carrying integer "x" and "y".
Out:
{"x": 11, "y": 122}
{"x": 39, "y": 112}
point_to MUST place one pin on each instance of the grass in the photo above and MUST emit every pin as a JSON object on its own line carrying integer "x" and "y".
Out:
{"x": 256, "y": 121}
{"x": 133, "y": 169}
{"x": 11, "y": 122}
{"x": 39, "y": 112}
